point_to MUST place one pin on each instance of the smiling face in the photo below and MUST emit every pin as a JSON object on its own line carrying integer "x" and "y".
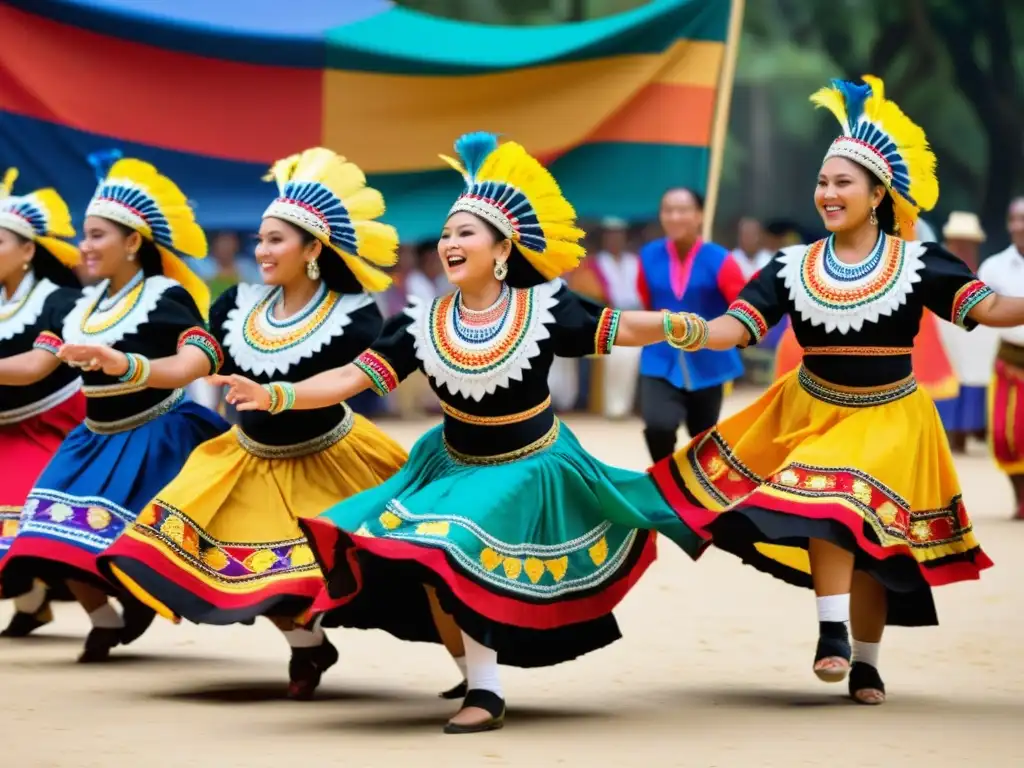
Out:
{"x": 845, "y": 194}
{"x": 15, "y": 253}
{"x": 282, "y": 252}
{"x": 469, "y": 249}
{"x": 681, "y": 216}
{"x": 105, "y": 247}
{"x": 1015, "y": 223}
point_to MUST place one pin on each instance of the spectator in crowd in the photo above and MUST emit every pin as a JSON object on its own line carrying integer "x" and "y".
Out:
{"x": 750, "y": 253}
{"x": 227, "y": 265}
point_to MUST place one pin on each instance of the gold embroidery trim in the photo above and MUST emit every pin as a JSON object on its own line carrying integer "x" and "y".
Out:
{"x": 297, "y": 450}
{"x": 859, "y": 351}
{"x": 138, "y": 419}
{"x": 496, "y": 421}
{"x": 545, "y": 441}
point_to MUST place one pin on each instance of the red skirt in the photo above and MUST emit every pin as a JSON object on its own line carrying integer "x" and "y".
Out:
{"x": 26, "y": 447}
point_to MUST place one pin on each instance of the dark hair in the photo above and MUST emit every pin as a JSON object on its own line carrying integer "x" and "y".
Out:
{"x": 46, "y": 265}
{"x": 698, "y": 198}
{"x": 885, "y": 211}
{"x": 521, "y": 273}
{"x": 333, "y": 272}
{"x": 148, "y": 255}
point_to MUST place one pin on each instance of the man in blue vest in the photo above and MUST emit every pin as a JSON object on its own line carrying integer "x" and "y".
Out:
{"x": 682, "y": 273}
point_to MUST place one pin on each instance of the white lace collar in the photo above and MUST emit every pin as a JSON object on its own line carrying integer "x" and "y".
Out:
{"x": 258, "y": 343}
{"x": 87, "y": 324}
{"x": 845, "y": 303}
{"x": 25, "y": 306}
{"x": 474, "y": 369}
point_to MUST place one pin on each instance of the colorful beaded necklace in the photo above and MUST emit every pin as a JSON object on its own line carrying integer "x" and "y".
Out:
{"x": 498, "y": 342}
{"x": 265, "y": 333}
{"x": 829, "y": 283}
{"x": 481, "y": 325}
{"x": 107, "y": 312}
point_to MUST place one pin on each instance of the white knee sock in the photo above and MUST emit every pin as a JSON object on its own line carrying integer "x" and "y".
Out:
{"x": 106, "y": 617}
{"x": 33, "y": 600}
{"x": 866, "y": 652}
{"x": 305, "y": 638}
{"x": 460, "y": 662}
{"x": 481, "y": 667}
{"x": 834, "y": 608}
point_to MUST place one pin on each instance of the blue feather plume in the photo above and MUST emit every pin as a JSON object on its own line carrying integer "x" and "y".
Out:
{"x": 854, "y": 94}
{"x": 474, "y": 148}
{"x": 103, "y": 160}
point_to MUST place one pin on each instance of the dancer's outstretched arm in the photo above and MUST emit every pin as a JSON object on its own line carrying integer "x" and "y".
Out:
{"x": 639, "y": 328}
{"x": 27, "y": 368}
{"x": 179, "y": 370}
{"x": 320, "y": 391}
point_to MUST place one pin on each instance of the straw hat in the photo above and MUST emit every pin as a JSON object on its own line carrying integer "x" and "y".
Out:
{"x": 963, "y": 226}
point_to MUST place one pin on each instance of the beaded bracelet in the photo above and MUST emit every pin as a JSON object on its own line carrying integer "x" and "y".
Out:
{"x": 138, "y": 371}
{"x": 695, "y": 331}
{"x": 282, "y": 396}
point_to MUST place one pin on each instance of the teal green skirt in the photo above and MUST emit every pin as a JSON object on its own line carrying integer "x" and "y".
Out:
{"x": 530, "y": 556}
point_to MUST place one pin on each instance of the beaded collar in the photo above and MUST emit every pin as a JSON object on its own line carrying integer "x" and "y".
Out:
{"x": 475, "y": 354}
{"x": 99, "y": 319}
{"x": 25, "y": 306}
{"x": 825, "y": 291}
{"x": 261, "y": 344}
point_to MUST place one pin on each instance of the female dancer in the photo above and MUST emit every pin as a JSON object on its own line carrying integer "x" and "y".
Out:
{"x": 525, "y": 539}
{"x": 839, "y": 477}
{"x": 36, "y": 414}
{"x": 220, "y": 544}
{"x": 138, "y": 429}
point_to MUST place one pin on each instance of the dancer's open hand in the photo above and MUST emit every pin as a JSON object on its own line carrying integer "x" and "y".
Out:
{"x": 245, "y": 394}
{"x": 93, "y": 357}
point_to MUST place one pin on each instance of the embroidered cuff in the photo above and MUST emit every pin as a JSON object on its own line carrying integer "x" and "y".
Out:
{"x": 48, "y": 341}
{"x": 607, "y": 330}
{"x": 382, "y": 375}
{"x": 205, "y": 342}
{"x": 966, "y": 299}
{"x": 752, "y": 320}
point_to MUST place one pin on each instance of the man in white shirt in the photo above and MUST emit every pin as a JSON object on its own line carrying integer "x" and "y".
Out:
{"x": 750, "y": 252}
{"x": 971, "y": 355}
{"x": 1004, "y": 273}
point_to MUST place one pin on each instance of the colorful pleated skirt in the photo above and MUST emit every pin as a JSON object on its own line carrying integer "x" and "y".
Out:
{"x": 221, "y": 544}
{"x": 529, "y": 554}
{"x": 1006, "y": 409}
{"x": 967, "y": 412}
{"x": 27, "y": 445}
{"x": 94, "y": 487}
{"x": 867, "y": 469}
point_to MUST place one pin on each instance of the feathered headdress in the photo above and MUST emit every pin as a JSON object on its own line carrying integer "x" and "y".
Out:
{"x": 133, "y": 193}
{"x": 41, "y": 216}
{"x": 879, "y": 137}
{"x": 508, "y": 187}
{"x": 326, "y": 195}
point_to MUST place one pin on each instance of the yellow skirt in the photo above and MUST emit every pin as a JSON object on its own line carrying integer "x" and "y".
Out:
{"x": 221, "y": 543}
{"x": 866, "y": 468}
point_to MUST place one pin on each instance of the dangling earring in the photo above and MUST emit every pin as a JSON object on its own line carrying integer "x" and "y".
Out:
{"x": 312, "y": 270}
{"x": 873, "y": 218}
{"x": 26, "y": 266}
{"x": 500, "y": 270}
{"x": 131, "y": 255}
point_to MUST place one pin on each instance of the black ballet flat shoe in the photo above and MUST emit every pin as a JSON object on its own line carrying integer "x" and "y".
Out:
{"x": 24, "y": 624}
{"x": 307, "y": 667}
{"x": 833, "y": 642}
{"x": 864, "y": 677}
{"x": 98, "y": 645}
{"x": 491, "y": 703}
{"x": 137, "y": 618}
{"x": 456, "y": 692}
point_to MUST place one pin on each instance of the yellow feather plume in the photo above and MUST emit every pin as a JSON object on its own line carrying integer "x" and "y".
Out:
{"x": 10, "y": 176}
{"x": 831, "y": 98}
{"x": 58, "y": 217}
{"x": 176, "y": 269}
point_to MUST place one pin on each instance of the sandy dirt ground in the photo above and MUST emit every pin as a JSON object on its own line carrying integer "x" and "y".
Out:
{"x": 714, "y": 670}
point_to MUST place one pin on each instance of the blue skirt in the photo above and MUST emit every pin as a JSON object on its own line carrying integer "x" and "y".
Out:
{"x": 967, "y": 412}
{"x": 92, "y": 489}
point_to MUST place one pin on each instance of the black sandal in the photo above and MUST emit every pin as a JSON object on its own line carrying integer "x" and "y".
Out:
{"x": 864, "y": 677}
{"x": 137, "y": 618}
{"x": 833, "y": 642}
{"x": 307, "y": 667}
{"x": 98, "y": 644}
{"x": 456, "y": 692}
{"x": 24, "y": 624}
{"x": 488, "y": 701}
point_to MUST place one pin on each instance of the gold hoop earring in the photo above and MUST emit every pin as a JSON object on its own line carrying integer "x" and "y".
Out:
{"x": 312, "y": 270}
{"x": 873, "y": 218}
{"x": 500, "y": 270}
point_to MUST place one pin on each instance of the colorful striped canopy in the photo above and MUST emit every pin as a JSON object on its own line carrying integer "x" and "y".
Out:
{"x": 213, "y": 91}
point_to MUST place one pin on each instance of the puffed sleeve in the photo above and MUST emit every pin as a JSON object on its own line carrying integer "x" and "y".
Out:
{"x": 391, "y": 357}
{"x": 582, "y": 327}
{"x": 50, "y": 333}
{"x": 176, "y": 313}
{"x": 948, "y": 286}
{"x": 761, "y": 303}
